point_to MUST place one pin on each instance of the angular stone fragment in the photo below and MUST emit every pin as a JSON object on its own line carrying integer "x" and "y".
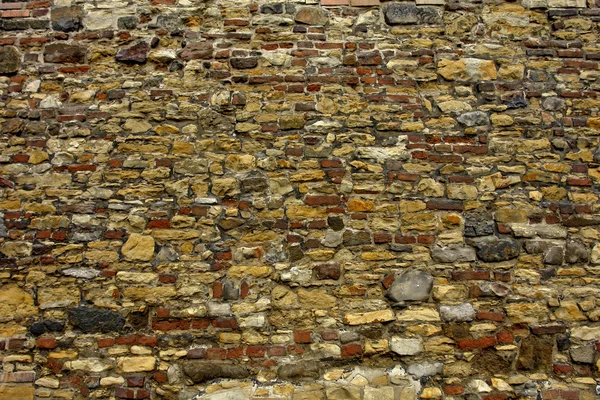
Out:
{"x": 10, "y": 60}
{"x": 554, "y": 256}
{"x": 16, "y": 303}
{"x": 64, "y": 53}
{"x": 201, "y": 371}
{"x": 453, "y": 253}
{"x": 425, "y": 369}
{"x": 312, "y": 16}
{"x": 535, "y": 353}
{"x": 495, "y": 249}
{"x": 474, "y": 118}
{"x": 66, "y": 19}
{"x": 136, "y": 364}
{"x": 527, "y": 312}
{"x": 576, "y": 252}
{"x": 583, "y": 354}
{"x": 16, "y": 249}
{"x": 95, "y": 320}
{"x": 479, "y": 225}
{"x": 138, "y": 247}
{"x": 411, "y": 286}
{"x": 405, "y": 347}
{"x": 370, "y": 317}
{"x": 197, "y": 51}
{"x": 135, "y": 54}
{"x": 303, "y": 370}
{"x": 461, "y": 313}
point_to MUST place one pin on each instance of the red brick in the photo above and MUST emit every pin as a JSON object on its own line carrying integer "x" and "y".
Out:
{"x": 235, "y": 353}
{"x": 490, "y": 316}
{"x": 216, "y": 354}
{"x": 127, "y": 339}
{"x": 15, "y": 14}
{"x": 302, "y": 337}
{"x": 470, "y": 275}
{"x": 505, "y": 337}
{"x": 453, "y": 390}
{"x": 562, "y": 368}
{"x": 276, "y": 351}
{"x": 255, "y": 351}
{"x": 481, "y": 343}
{"x": 46, "y": 343}
{"x": 494, "y": 396}
{"x": 147, "y": 341}
{"x": 160, "y": 377}
{"x": 322, "y": 200}
{"x": 352, "y": 350}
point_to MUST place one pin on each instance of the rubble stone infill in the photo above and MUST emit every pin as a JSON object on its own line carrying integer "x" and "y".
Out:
{"x": 252, "y": 199}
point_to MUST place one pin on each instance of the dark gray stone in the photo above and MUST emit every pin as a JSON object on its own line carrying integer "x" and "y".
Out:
{"x": 335, "y": 223}
{"x": 3, "y": 231}
{"x": 274, "y": 8}
{"x": 495, "y": 249}
{"x": 349, "y": 337}
{"x": 430, "y": 15}
{"x": 66, "y": 19}
{"x": 10, "y": 60}
{"x": 303, "y": 370}
{"x": 128, "y": 23}
{"x": 553, "y": 104}
{"x": 583, "y": 354}
{"x": 554, "y": 256}
{"x": 576, "y": 252}
{"x": 474, "y": 118}
{"x": 230, "y": 292}
{"x": 516, "y": 100}
{"x": 202, "y": 371}
{"x": 41, "y": 327}
{"x": 411, "y": 285}
{"x": 399, "y": 13}
{"x": 537, "y": 246}
{"x": 136, "y": 54}
{"x": 169, "y": 22}
{"x": 453, "y": 253}
{"x": 64, "y": 53}
{"x": 95, "y": 320}
{"x": 244, "y": 62}
{"x": 479, "y": 225}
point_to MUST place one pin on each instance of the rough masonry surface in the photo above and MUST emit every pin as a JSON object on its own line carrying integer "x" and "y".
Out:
{"x": 253, "y": 199}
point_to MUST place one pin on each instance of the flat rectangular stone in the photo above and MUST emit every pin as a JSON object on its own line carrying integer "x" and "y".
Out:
{"x": 566, "y": 4}
{"x": 364, "y": 3}
{"x": 431, "y": 2}
{"x": 335, "y": 2}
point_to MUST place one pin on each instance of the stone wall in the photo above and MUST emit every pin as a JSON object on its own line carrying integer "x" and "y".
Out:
{"x": 346, "y": 200}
